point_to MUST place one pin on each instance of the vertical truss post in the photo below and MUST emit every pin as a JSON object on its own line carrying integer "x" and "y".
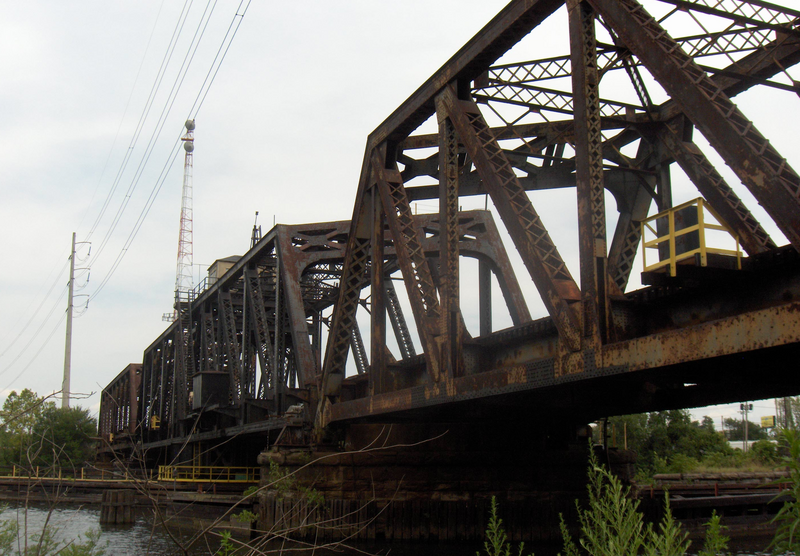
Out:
{"x": 247, "y": 365}
{"x": 168, "y": 374}
{"x": 716, "y": 191}
{"x": 452, "y": 334}
{"x": 258, "y": 314}
{"x": 411, "y": 258}
{"x": 377, "y": 373}
{"x": 231, "y": 344}
{"x": 209, "y": 355}
{"x": 538, "y": 252}
{"x": 278, "y": 348}
{"x": 291, "y": 275}
{"x": 589, "y": 175}
{"x": 485, "y": 297}
{"x": 761, "y": 168}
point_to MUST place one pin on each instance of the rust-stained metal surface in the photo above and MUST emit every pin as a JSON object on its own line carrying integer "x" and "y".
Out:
{"x": 370, "y": 320}
{"x": 578, "y": 132}
{"x": 256, "y": 333}
{"x": 119, "y": 407}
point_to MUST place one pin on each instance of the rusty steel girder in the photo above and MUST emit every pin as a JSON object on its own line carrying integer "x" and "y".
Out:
{"x": 278, "y": 328}
{"x": 571, "y": 136}
{"x": 256, "y": 333}
{"x": 119, "y": 410}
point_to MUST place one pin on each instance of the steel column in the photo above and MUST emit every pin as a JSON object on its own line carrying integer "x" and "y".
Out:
{"x": 589, "y": 176}
{"x": 451, "y": 329}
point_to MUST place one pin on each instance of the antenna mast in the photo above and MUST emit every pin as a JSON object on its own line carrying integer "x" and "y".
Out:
{"x": 183, "y": 274}
{"x": 183, "y": 279}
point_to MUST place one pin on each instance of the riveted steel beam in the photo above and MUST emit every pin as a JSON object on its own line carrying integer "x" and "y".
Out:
{"x": 380, "y": 300}
{"x": 411, "y": 257}
{"x": 231, "y": 343}
{"x": 589, "y": 175}
{"x": 539, "y": 253}
{"x": 291, "y": 264}
{"x": 752, "y": 12}
{"x": 756, "y": 162}
{"x": 449, "y": 171}
{"x": 716, "y": 191}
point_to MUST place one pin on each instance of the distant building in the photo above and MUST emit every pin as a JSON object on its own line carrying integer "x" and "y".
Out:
{"x": 219, "y": 267}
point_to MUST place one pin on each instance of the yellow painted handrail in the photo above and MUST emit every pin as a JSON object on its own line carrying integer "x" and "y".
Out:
{"x": 673, "y": 234}
{"x": 208, "y": 474}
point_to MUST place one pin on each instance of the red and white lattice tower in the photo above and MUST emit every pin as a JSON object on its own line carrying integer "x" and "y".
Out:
{"x": 183, "y": 277}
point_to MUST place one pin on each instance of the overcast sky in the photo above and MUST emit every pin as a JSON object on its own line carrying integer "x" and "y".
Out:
{"x": 280, "y": 131}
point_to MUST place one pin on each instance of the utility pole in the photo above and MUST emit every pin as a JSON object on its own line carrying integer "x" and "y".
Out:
{"x": 68, "y": 348}
{"x": 745, "y": 407}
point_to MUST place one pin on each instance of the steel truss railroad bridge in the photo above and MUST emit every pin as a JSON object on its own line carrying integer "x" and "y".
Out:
{"x": 260, "y": 358}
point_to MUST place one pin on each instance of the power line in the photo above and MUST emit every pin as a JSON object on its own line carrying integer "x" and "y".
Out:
{"x": 212, "y": 73}
{"x": 36, "y": 312}
{"x": 116, "y": 135}
{"x": 35, "y": 335}
{"x": 162, "y": 70}
{"x": 38, "y": 352}
{"x": 166, "y": 109}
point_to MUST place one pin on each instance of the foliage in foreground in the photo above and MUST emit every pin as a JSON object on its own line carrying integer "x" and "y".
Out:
{"x": 612, "y": 524}
{"x": 787, "y": 536}
{"x": 715, "y": 542}
{"x": 496, "y": 543}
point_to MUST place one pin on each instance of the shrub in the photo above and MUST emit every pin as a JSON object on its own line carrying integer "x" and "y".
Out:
{"x": 612, "y": 524}
{"x": 681, "y": 463}
{"x": 788, "y": 517}
{"x": 715, "y": 542}
{"x": 496, "y": 543}
{"x": 764, "y": 451}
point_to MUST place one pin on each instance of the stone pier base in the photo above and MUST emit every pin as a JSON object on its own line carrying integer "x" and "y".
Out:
{"x": 423, "y": 482}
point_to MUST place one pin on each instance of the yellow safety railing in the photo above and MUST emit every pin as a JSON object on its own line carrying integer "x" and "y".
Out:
{"x": 675, "y": 233}
{"x": 83, "y": 474}
{"x": 208, "y": 474}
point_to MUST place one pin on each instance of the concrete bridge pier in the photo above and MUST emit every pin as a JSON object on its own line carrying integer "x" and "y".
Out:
{"x": 430, "y": 481}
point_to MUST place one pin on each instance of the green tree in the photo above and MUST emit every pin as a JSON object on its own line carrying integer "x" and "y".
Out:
{"x": 734, "y": 429}
{"x": 17, "y": 418}
{"x": 63, "y": 437}
{"x": 669, "y": 440}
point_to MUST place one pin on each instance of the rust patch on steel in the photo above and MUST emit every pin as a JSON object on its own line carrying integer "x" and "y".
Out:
{"x": 746, "y": 332}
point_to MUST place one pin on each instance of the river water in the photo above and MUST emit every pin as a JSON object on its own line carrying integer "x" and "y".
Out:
{"x": 141, "y": 538}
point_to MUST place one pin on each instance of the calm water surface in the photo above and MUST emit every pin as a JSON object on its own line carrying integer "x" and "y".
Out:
{"x": 142, "y": 538}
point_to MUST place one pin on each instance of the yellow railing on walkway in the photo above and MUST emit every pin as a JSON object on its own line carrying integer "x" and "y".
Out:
{"x": 83, "y": 474}
{"x": 685, "y": 239}
{"x": 208, "y": 474}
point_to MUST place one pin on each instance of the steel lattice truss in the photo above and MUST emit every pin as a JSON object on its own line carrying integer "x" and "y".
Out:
{"x": 254, "y": 336}
{"x": 614, "y": 113}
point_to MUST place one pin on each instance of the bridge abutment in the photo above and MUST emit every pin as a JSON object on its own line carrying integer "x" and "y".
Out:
{"x": 424, "y": 482}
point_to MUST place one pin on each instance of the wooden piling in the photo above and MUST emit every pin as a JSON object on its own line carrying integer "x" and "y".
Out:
{"x": 117, "y": 507}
